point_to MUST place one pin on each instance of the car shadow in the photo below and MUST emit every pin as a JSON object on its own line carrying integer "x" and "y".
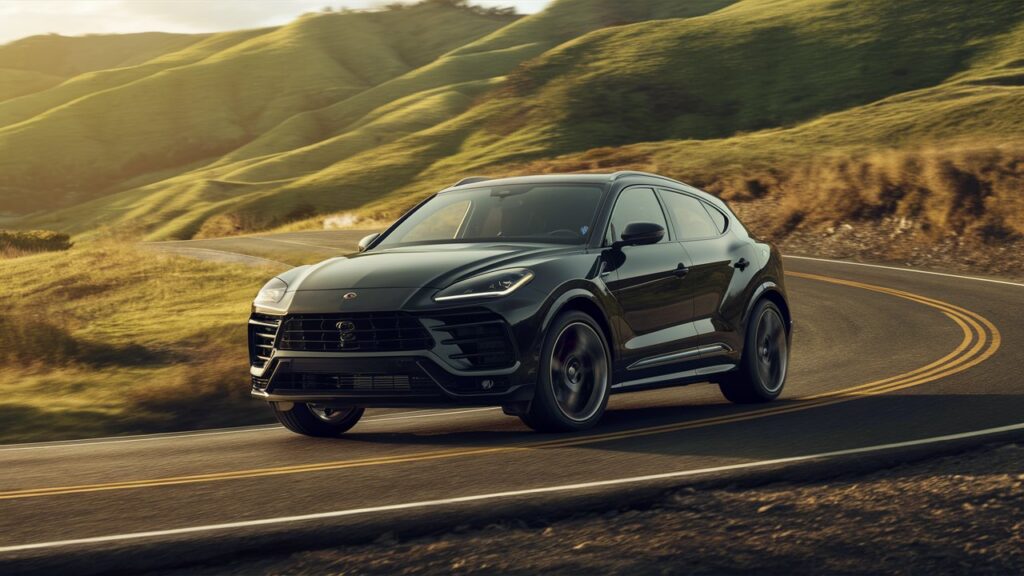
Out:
{"x": 777, "y": 430}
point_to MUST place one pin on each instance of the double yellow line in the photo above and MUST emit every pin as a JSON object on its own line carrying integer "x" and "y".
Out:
{"x": 981, "y": 340}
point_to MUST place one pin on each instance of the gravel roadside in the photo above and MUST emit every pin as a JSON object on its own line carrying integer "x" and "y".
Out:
{"x": 955, "y": 514}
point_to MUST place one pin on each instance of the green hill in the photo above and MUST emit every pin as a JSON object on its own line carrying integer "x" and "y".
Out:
{"x": 14, "y": 83}
{"x": 758, "y": 86}
{"x": 490, "y": 57}
{"x": 20, "y": 109}
{"x": 184, "y": 114}
{"x": 65, "y": 56}
{"x": 38, "y": 63}
{"x": 302, "y": 121}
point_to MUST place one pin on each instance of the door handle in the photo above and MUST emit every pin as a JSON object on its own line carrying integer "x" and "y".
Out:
{"x": 681, "y": 270}
{"x": 741, "y": 264}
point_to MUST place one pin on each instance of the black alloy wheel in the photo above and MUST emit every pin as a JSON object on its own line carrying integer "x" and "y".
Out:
{"x": 575, "y": 376}
{"x": 318, "y": 420}
{"x": 762, "y": 372}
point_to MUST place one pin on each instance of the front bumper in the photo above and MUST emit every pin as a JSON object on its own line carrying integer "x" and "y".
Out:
{"x": 385, "y": 380}
{"x": 462, "y": 355}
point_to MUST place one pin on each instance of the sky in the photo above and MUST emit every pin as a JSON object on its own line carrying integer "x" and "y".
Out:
{"x": 20, "y": 18}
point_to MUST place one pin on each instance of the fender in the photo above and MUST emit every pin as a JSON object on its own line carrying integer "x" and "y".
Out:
{"x": 555, "y": 305}
{"x": 559, "y": 302}
{"x": 765, "y": 287}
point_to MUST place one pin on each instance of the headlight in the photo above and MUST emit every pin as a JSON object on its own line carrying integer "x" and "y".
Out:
{"x": 490, "y": 285}
{"x": 272, "y": 291}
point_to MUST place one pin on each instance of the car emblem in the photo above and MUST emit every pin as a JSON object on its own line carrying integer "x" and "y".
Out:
{"x": 350, "y": 296}
{"x": 346, "y": 333}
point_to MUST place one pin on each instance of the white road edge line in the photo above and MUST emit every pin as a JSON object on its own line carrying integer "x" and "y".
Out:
{"x": 413, "y": 414}
{"x": 509, "y": 494}
{"x": 900, "y": 269}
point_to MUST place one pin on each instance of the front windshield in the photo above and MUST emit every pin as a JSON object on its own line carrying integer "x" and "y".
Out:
{"x": 520, "y": 213}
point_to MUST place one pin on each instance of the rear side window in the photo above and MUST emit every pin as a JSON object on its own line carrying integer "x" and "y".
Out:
{"x": 721, "y": 222}
{"x": 691, "y": 219}
{"x": 635, "y": 205}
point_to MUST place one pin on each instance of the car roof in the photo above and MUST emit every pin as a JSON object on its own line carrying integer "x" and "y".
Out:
{"x": 626, "y": 177}
{"x": 585, "y": 178}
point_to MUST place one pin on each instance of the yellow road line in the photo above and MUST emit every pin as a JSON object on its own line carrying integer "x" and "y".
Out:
{"x": 977, "y": 330}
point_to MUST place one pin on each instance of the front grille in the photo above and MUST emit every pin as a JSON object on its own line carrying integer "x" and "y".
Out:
{"x": 356, "y": 383}
{"x": 475, "y": 338}
{"x": 355, "y": 332}
{"x": 262, "y": 335}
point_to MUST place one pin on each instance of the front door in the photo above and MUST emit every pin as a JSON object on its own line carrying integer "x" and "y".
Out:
{"x": 651, "y": 287}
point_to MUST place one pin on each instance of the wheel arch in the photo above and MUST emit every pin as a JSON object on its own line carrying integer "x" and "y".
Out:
{"x": 770, "y": 291}
{"x": 582, "y": 301}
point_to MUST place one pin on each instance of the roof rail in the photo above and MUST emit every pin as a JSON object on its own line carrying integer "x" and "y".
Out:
{"x": 471, "y": 180}
{"x": 624, "y": 173}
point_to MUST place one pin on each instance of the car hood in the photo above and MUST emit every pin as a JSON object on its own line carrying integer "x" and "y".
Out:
{"x": 434, "y": 266}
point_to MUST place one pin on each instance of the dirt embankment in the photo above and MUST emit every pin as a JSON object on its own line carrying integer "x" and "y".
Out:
{"x": 954, "y": 515}
{"x": 958, "y": 207}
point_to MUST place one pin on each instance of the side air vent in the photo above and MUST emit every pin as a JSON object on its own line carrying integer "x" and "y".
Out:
{"x": 474, "y": 339}
{"x": 262, "y": 337}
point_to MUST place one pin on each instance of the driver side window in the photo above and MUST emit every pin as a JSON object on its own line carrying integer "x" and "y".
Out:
{"x": 635, "y": 205}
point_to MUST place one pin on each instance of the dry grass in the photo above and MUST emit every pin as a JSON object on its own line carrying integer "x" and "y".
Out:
{"x": 968, "y": 191}
{"x": 15, "y": 243}
{"x": 107, "y": 338}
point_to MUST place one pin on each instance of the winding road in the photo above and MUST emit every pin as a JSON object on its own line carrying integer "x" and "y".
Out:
{"x": 881, "y": 356}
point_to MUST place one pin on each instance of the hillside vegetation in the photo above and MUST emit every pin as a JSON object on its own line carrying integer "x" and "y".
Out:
{"x": 111, "y": 339}
{"x": 178, "y": 115}
{"x": 753, "y": 99}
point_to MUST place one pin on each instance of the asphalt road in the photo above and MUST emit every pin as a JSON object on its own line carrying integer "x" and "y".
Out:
{"x": 879, "y": 356}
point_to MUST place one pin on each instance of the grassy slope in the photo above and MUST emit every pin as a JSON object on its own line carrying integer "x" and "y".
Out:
{"x": 247, "y": 89}
{"x": 87, "y": 83}
{"x": 135, "y": 331}
{"x": 39, "y": 63}
{"x": 759, "y": 64}
{"x": 807, "y": 78}
{"x": 15, "y": 83}
{"x": 490, "y": 57}
{"x": 265, "y": 173}
{"x": 66, "y": 56}
{"x": 766, "y": 86}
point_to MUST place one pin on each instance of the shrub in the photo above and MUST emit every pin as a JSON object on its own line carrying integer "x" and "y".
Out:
{"x": 19, "y": 242}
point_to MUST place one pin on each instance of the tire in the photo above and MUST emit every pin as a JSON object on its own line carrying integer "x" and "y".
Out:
{"x": 320, "y": 422}
{"x": 574, "y": 378}
{"x": 761, "y": 374}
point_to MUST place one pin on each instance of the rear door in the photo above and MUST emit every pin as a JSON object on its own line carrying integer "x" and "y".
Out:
{"x": 650, "y": 284}
{"x": 702, "y": 229}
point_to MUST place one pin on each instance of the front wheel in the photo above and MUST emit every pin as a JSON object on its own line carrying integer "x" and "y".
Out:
{"x": 317, "y": 420}
{"x": 575, "y": 376}
{"x": 762, "y": 370}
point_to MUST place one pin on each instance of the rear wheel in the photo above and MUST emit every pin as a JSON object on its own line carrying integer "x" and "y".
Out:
{"x": 318, "y": 420}
{"x": 575, "y": 376}
{"x": 762, "y": 370}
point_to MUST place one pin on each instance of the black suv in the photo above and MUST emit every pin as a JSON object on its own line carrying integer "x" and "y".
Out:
{"x": 540, "y": 294}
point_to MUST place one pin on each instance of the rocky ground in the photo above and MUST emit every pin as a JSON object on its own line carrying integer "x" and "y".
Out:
{"x": 959, "y": 514}
{"x": 890, "y": 240}
{"x": 881, "y": 243}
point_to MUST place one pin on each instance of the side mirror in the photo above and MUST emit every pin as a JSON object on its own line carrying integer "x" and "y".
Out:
{"x": 367, "y": 240}
{"x": 641, "y": 233}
